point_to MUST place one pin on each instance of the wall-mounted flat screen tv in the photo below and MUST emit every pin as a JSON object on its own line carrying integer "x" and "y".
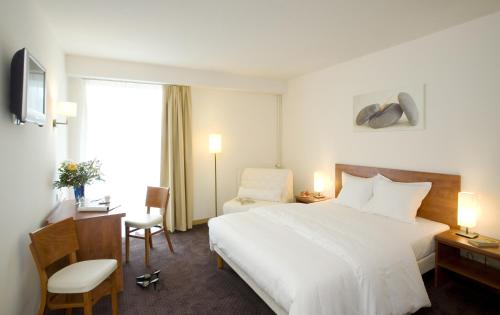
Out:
{"x": 27, "y": 89}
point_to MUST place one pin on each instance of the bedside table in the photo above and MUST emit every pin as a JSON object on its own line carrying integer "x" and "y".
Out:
{"x": 309, "y": 199}
{"x": 448, "y": 246}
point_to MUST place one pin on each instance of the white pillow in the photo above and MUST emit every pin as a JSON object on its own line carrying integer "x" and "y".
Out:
{"x": 260, "y": 194}
{"x": 380, "y": 176}
{"x": 356, "y": 191}
{"x": 399, "y": 201}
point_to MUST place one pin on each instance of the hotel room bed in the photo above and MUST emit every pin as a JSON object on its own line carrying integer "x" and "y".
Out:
{"x": 326, "y": 258}
{"x": 290, "y": 251}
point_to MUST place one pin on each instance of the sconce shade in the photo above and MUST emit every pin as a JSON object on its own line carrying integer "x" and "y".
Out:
{"x": 214, "y": 143}
{"x": 467, "y": 209}
{"x": 66, "y": 109}
{"x": 319, "y": 182}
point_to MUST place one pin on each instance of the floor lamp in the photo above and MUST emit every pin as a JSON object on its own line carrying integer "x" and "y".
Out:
{"x": 214, "y": 147}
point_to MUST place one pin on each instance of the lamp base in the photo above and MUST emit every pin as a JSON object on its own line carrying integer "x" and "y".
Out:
{"x": 318, "y": 195}
{"x": 467, "y": 235}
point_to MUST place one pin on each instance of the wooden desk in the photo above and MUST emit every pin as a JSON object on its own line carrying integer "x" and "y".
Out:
{"x": 99, "y": 233}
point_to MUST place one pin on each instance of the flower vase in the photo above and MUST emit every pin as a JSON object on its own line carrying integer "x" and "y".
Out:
{"x": 79, "y": 192}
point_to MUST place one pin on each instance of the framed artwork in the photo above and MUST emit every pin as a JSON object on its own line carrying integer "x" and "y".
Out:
{"x": 390, "y": 110}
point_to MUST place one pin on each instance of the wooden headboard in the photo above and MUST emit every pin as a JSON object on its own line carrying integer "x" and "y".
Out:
{"x": 439, "y": 205}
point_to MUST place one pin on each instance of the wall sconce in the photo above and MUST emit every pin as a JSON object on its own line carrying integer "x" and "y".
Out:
{"x": 467, "y": 213}
{"x": 65, "y": 109}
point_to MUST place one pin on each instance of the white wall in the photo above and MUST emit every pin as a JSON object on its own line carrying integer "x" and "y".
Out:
{"x": 88, "y": 67}
{"x": 241, "y": 108}
{"x": 28, "y": 156}
{"x": 76, "y": 93}
{"x": 247, "y": 124}
{"x": 460, "y": 67}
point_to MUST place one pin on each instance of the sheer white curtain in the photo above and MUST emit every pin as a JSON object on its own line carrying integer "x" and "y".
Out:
{"x": 122, "y": 128}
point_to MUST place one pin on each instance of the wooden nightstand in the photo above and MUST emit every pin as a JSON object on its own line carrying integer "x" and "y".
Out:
{"x": 309, "y": 199}
{"x": 448, "y": 246}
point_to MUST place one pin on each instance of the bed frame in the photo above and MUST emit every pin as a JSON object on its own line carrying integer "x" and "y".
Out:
{"x": 439, "y": 205}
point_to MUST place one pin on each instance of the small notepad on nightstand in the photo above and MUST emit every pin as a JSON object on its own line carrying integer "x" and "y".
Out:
{"x": 484, "y": 242}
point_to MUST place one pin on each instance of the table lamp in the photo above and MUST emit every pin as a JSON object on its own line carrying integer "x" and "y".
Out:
{"x": 214, "y": 147}
{"x": 319, "y": 185}
{"x": 467, "y": 213}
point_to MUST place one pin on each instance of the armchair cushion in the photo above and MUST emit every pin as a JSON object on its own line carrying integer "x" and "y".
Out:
{"x": 273, "y": 194}
{"x": 234, "y": 205}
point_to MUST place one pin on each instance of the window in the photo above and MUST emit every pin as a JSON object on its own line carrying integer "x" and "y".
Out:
{"x": 123, "y": 130}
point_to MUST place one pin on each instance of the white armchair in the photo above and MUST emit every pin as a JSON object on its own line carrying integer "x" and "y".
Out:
{"x": 261, "y": 186}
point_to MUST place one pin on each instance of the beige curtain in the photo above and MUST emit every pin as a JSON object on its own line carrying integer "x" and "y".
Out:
{"x": 176, "y": 167}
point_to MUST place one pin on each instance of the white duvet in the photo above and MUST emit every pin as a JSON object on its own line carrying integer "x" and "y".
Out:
{"x": 326, "y": 259}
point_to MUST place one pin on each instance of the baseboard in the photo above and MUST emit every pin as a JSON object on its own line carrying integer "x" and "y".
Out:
{"x": 200, "y": 221}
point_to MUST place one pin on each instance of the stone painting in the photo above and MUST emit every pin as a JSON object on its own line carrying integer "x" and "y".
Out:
{"x": 398, "y": 109}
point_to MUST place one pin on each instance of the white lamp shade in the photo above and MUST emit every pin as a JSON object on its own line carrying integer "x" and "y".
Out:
{"x": 66, "y": 109}
{"x": 467, "y": 209}
{"x": 319, "y": 182}
{"x": 214, "y": 143}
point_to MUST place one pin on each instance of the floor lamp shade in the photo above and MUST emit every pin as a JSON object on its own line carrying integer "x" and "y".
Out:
{"x": 214, "y": 143}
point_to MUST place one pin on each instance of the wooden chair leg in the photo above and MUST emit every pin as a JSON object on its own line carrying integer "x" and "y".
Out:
{"x": 167, "y": 236}
{"x": 114, "y": 294}
{"x": 87, "y": 303}
{"x": 127, "y": 243}
{"x": 147, "y": 236}
{"x": 68, "y": 311}
{"x": 151, "y": 241}
{"x": 43, "y": 301}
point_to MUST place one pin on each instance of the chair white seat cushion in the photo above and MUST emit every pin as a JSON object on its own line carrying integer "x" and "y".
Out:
{"x": 144, "y": 220}
{"x": 233, "y": 205}
{"x": 82, "y": 276}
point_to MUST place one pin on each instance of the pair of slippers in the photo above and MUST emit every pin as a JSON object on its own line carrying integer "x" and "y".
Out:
{"x": 145, "y": 280}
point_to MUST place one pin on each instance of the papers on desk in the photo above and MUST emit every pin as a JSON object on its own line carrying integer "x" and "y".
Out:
{"x": 96, "y": 206}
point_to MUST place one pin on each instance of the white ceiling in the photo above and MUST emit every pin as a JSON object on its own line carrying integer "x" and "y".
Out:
{"x": 266, "y": 38}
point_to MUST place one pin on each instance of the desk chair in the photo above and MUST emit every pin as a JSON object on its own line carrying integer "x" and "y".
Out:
{"x": 79, "y": 284}
{"x": 156, "y": 197}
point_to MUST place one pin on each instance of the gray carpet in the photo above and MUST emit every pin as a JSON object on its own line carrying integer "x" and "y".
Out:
{"x": 191, "y": 284}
